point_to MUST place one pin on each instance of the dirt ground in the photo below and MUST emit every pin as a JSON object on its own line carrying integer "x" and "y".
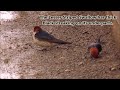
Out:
{"x": 20, "y": 58}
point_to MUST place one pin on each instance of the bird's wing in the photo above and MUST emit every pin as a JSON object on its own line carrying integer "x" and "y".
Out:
{"x": 97, "y": 45}
{"x": 48, "y": 37}
{"x": 43, "y": 35}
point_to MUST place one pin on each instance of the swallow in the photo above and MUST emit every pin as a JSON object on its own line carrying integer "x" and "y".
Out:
{"x": 44, "y": 39}
{"x": 95, "y": 48}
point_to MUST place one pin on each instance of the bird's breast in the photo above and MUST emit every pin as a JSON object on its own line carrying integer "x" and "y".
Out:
{"x": 94, "y": 52}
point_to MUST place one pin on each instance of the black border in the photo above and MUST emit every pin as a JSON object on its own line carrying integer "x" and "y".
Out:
{"x": 63, "y": 5}
{"x": 60, "y": 84}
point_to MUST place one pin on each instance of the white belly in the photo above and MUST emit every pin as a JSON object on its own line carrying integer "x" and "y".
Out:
{"x": 42, "y": 43}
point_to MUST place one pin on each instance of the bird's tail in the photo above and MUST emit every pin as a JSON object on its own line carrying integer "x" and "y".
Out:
{"x": 61, "y": 42}
{"x": 98, "y": 40}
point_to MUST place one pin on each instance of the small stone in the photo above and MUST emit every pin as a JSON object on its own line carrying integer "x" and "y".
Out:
{"x": 62, "y": 57}
{"x": 83, "y": 57}
{"x": 113, "y": 68}
{"x": 80, "y": 63}
{"x": 67, "y": 70}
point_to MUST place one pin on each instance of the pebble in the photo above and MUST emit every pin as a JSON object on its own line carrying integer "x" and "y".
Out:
{"x": 113, "y": 68}
{"x": 80, "y": 63}
{"x": 67, "y": 70}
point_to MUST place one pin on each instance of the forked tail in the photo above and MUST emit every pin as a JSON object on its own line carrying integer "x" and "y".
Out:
{"x": 62, "y": 42}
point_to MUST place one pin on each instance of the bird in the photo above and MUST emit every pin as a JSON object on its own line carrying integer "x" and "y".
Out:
{"x": 44, "y": 39}
{"x": 95, "y": 48}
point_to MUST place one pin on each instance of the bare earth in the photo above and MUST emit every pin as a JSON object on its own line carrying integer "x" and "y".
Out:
{"x": 20, "y": 58}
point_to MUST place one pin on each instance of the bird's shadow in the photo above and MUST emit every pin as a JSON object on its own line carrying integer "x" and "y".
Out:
{"x": 52, "y": 48}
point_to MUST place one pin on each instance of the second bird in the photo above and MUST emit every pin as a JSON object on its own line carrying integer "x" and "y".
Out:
{"x": 43, "y": 38}
{"x": 95, "y": 48}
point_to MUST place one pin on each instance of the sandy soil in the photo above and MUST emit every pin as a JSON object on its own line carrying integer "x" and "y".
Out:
{"x": 20, "y": 58}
